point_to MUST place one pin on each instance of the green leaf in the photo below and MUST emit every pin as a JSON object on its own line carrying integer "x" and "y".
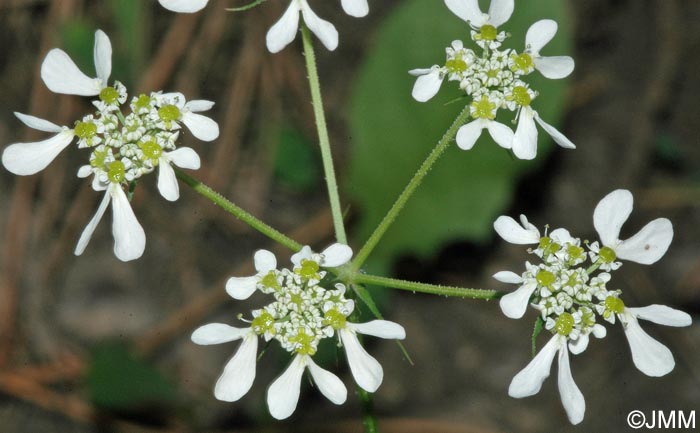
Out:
{"x": 296, "y": 164}
{"x": 119, "y": 380}
{"x": 392, "y": 134}
{"x": 539, "y": 325}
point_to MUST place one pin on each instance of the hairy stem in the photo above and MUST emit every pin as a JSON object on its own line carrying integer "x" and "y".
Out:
{"x": 432, "y": 289}
{"x": 323, "y": 139}
{"x": 236, "y": 211}
{"x": 442, "y": 145}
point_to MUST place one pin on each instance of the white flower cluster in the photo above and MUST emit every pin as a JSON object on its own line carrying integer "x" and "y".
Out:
{"x": 493, "y": 79}
{"x": 283, "y": 32}
{"x": 123, "y": 148}
{"x": 571, "y": 293}
{"x": 304, "y": 312}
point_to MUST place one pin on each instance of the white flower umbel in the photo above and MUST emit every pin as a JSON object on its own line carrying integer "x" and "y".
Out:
{"x": 645, "y": 247}
{"x": 283, "y": 32}
{"x": 570, "y": 293}
{"x": 24, "y": 159}
{"x": 61, "y": 75}
{"x": 266, "y": 277}
{"x": 529, "y": 381}
{"x": 174, "y": 108}
{"x": 283, "y": 394}
{"x": 538, "y": 35}
{"x": 239, "y": 373}
{"x": 184, "y": 6}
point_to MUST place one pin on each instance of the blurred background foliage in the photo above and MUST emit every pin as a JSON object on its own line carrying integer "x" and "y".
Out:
{"x": 91, "y": 344}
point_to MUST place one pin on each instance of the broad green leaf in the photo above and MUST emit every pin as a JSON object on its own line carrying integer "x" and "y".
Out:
{"x": 296, "y": 162}
{"x": 119, "y": 380}
{"x": 392, "y": 133}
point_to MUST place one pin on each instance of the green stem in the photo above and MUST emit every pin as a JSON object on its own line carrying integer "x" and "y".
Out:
{"x": 458, "y": 292}
{"x": 323, "y": 139}
{"x": 236, "y": 211}
{"x": 442, "y": 145}
{"x": 369, "y": 421}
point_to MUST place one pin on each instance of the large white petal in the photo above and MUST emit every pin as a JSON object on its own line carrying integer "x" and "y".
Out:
{"x": 500, "y": 11}
{"x": 200, "y": 126}
{"x": 514, "y": 304}
{"x": 167, "y": 181}
{"x": 561, "y": 236}
{"x": 239, "y": 373}
{"x": 24, "y": 159}
{"x": 265, "y": 261}
{"x": 323, "y": 30}
{"x": 610, "y": 214}
{"x": 90, "y": 228}
{"x": 381, "y": 329}
{"x": 217, "y": 333}
{"x": 185, "y": 6}
{"x": 469, "y": 133}
{"x": 303, "y": 254}
{"x": 37, "y": 123}
{"x": 468, "y": 10}
{"x": 525, "y": 138}
{"x": 651, "y": 357}
{"x": 61, "y": 75}
{"x": 529, "y": 381}
{"x": 579, "y": 345}
{"x": 649, "y": 244}
{"x": 184, "y": 157}
{"x": 508, "y": 277}
{"x": 103, "y": 57}
{"x": 539, "y": 34}
{"x": 198, "y": 105}
{"x": 355, "y": 8}
{"x": 557, "y": 136}
{"x": 285, "y": 30}
{"x": 555, "y": 67}
{"x": 662, "y": 315}
{"x": 241, "y": 287}
{"x": 571, "y": 396}
{"x": 501, "y": 134}
{"x": 427, "y": 85}
{"x": 365, "y": 369}
{"x": 328, "y": 383}
{"x": 283, "y": 394}
{"x": 129, "y": 237}
{"x": 336, "y": 255}
{"x": 512, "y": 232}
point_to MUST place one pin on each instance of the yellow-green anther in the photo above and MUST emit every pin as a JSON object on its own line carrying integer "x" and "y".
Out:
{"x": 85, "y": 130}
{"x": 484, "y": 109}
{"x": 304, "y": 343}
{"x": 109, "y": 95}
{"x": 488, "y": 32}
{"x": 143, "y": 101}
{"x": 523, "y": 61}
{"x": 151, "y": 150}
{"x": 309, "y": 269}
{"x": 521, "y": 96}
{"x": 545, "y": 278}
{"x": 607, "y": 255}
{"x": 334, "y": 319}
{"x": 614, "y": 304}
{"x": 574, "y": 252}
{"x": 564, "y": 324}
{"x": 456, "y": 65}
{"x": 116, "y": 172}
{"x": 264, "y": 323}
{"x": 270, "y": 280}
{"x": 169, "y": 113}
{"x": 98, "y": 160}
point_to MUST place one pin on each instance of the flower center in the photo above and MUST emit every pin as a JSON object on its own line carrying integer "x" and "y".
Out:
{"x": 109, "y": 95}
{"x": 614, "y": 304}
{"x": 309, "y": 269}
{"x": 456, "y": 65}
{"x": 545, "y": 278}
{"x": 98, "y": 160}
{"x": 151, "y": 150}
{"x": 85, "y": 130}
{"x": 488, "y": 32}
{"x": 143, "y": 102}
{"x": 263, "y": 323}
{"x": 303, "y": 342}
{"x": 521, "y": 96}
{"x": 564, "y": 324}
{"x": 169, "y": 113}
{"x": 116, "y": 172}
{"x": 335, "y": 319}
{"x": 607, "y": 255}
{"x": 523, "y": 62}
{"x": 270, "y": 280}
{"x": 483, "y": 109}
